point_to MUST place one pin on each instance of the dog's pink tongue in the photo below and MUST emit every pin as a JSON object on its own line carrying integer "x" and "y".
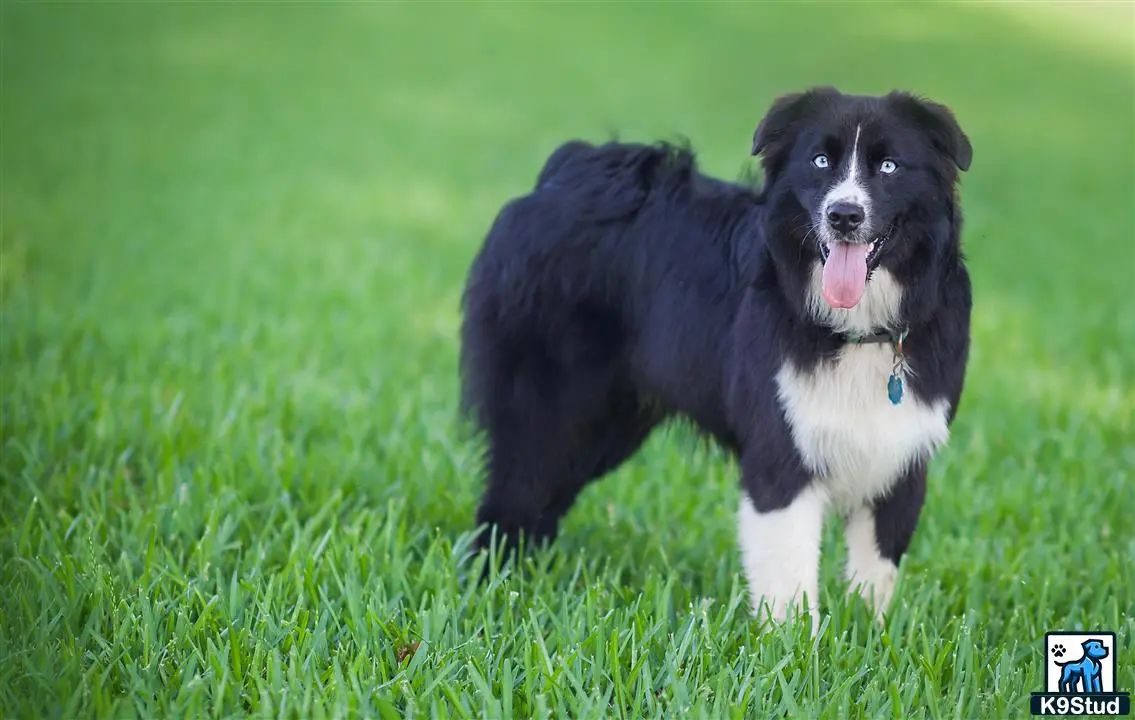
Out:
{"x": 845, "y": 274}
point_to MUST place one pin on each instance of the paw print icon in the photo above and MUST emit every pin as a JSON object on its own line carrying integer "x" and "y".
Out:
{"x": 1058, "y": 651}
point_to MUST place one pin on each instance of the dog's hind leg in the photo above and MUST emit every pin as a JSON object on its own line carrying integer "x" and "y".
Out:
{"x": 546, "y": 395}
{"x": 538, "y": 466}
{"x": 533, "y": 410}
{"x": 526, "y": 460}
{"x": 603, "y": 445}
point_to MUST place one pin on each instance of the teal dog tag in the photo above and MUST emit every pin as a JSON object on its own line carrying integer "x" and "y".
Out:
{"x": 894, "y": 389}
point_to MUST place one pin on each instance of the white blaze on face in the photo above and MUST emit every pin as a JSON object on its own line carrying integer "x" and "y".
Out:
{"x": 849, "y": 189}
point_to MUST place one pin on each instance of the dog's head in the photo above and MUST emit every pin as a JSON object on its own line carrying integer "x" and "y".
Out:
{"x": 857, "y": 180}
{"x": 1095, "y": 649}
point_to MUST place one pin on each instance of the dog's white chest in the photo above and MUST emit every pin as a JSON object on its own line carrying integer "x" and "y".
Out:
{"x": 850, "y": 435}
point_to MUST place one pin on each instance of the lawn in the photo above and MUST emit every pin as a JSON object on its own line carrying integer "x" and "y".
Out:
{"x": 234, "y": 237}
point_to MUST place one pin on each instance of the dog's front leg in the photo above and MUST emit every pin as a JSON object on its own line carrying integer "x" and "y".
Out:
{"x": 878, "y": 535}
{"x": 779, "y": 529}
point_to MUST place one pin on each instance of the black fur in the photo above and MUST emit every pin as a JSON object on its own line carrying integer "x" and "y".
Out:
{"x": 627, "y": 288}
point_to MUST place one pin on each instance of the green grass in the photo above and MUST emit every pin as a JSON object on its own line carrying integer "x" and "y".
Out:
{"x": 233, "y": 241}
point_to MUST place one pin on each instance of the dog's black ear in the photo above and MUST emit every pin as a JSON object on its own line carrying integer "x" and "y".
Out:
{"x": 786, "y": 110}
{"x": 939, "y": 123}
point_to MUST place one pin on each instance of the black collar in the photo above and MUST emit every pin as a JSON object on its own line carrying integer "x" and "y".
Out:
{"x": 879, "y": 336}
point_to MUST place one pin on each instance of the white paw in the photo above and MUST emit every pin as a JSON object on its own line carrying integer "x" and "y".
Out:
{"x": 787, "y": 610}
{"x": 869, "y": 574}
{"x": 876, "y": 592}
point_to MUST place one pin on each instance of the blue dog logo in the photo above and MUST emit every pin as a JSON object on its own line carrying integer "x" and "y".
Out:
{"x": 1086, "y": 674}
{"x": 1084, "y": 686}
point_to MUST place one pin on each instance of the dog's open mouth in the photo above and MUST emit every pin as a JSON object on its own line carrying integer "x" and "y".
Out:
{"x": 846, "y": 266}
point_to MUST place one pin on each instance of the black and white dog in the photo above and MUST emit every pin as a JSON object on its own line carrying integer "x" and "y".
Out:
{"x": 817, "y": 327}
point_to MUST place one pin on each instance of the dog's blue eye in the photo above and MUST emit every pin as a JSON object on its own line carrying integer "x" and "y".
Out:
{"x": 888, "y": 167}
{"x": 820, "y": 161}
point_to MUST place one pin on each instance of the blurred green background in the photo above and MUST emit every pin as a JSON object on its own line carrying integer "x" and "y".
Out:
{"x": 234, "y": 236}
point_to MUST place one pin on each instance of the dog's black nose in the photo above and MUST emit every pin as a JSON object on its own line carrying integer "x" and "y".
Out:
{"x": 845, "y": 217}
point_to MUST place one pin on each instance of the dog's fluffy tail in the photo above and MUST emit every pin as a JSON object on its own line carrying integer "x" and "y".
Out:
{"x": 613, "y": 181}
{"x": 561, "y": 156}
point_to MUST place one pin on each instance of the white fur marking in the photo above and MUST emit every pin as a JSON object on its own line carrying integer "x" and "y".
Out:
{"x": 781, "y": 554}
{"x": 868, "y": 572}
{"x": 848, "y": 189}
{"x": 848, "y": 433}
{"x": 878, "y": 308}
